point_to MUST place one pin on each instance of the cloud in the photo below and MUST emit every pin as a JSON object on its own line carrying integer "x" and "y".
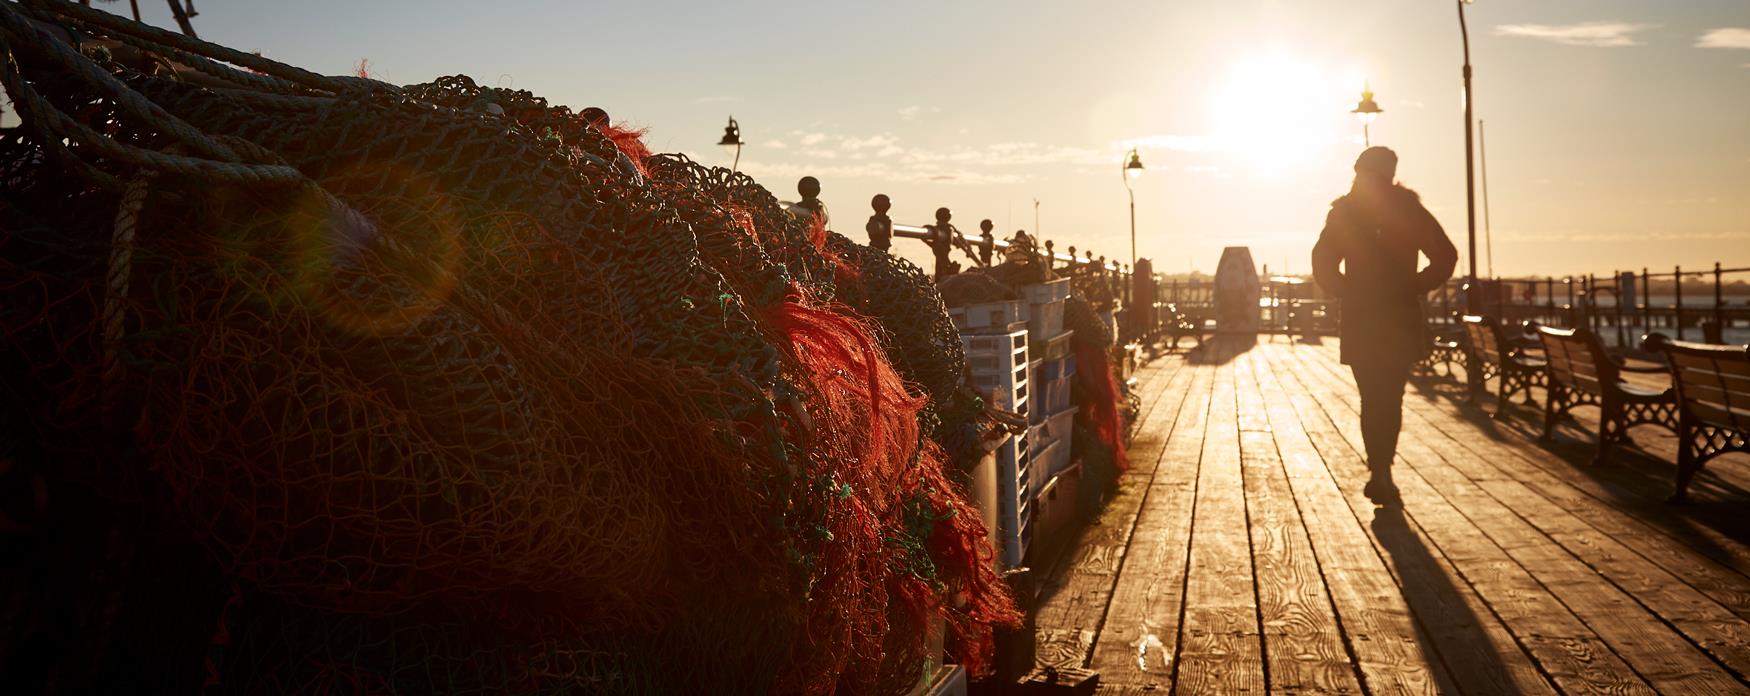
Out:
{"x": 1595, "y": 34}
{"x": 813, "y": 138}
{"x": 911, "y": 112}
{"x": 1725, "y": 37}
{"x": 774, "y": 145}
{"x": 881, "y": 141}
{"x": 1176, "y": 143}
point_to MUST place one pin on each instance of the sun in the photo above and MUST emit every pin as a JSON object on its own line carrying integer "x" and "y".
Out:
{"x": 1277, "y": 113}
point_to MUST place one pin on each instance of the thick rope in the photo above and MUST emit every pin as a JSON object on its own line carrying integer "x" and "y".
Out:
{"x": 121, "y": 265}
{"x": 55, "y": 125}
{"x": 119, "y": 24}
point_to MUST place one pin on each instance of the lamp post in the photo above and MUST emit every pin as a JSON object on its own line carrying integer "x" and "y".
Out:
{"x": 1365, "y": 111}
{"x": 731, "y": 142}
{"x": 1132, "y": 169}
{"x": 1470, "y": 186}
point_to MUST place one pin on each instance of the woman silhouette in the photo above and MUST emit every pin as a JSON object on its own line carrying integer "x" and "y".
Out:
{"x": 1375, "y": 234}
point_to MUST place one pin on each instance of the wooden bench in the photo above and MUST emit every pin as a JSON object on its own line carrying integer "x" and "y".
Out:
{"x": 1489, "y": 355}
{"x": 1581, "y": 373}
{"x": 1713, "y": 400}
{"x": 1445, "y": 347}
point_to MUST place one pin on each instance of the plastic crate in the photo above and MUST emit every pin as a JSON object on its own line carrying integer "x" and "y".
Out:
{"x": 1055, "y": 431}
{"x": 1048, "y": 396}
{"x": 1055, "y": 348}
{"x": 1039, "y": 461}
{"x": 999, "y": 367}
{"x": 1014, "y": 499}
{"x": 1056, "y": 502}
{"x": 992, "y": 353}
{"x": 1062, "y": 368}
{"x": 1045, "y": 320}
{"x": 988, "y": 317}
{"x": 1049, "y": 291}
{"x": 1049, "y": 387}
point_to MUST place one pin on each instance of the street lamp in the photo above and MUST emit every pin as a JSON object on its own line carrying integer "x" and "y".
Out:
{"x": 1470, "y": 186}
{"x": 1365, "y": 111}
{"x": 1132, "y": 170}
{"x": 731, "y": 141}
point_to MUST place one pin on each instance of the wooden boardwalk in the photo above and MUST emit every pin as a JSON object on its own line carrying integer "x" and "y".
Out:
{"x": 1240, "y": 556}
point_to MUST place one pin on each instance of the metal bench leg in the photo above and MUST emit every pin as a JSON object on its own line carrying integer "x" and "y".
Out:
{"x": 1610, "y": 428}
{"x": 1556, "y": 394}
{"x": 1503, "y": 394}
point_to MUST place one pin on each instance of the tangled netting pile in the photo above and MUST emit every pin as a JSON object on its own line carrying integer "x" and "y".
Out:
{"x": 323, "y": 384}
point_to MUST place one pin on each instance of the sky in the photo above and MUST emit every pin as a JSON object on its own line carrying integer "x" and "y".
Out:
{"x": 1617, "y": 131}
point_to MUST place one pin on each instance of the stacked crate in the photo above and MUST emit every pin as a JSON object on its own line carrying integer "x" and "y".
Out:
{"x": 995, "y": 340}
{"x": 1052, "y": 368}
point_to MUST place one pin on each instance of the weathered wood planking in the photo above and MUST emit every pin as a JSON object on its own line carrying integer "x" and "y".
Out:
{"x": 1075, "y": 593}
{"x": 1243, "y": 544}
{"x": 1553, "y": 588}
{"x": 1220, "y": 646}
{"x": 1303, "y": 644}
{"x": 1707, "y": 624}
{"x": 1632, "y": 512}
{"x": 1636, "y": 517}
{"x": 1140, "y": 633}
{"x": 1450, "y": 642}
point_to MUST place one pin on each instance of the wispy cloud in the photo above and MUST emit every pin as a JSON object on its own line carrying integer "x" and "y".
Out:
{"x": 1725, "y": 37}
{"x": 1596, "y": 34}
{"x": 911, "y": 112}
{"x": 881, "y": 141}
{"x": 774, "y": 145}
{"x": 1176, "y": 143}
{"x": 813, "y": 138}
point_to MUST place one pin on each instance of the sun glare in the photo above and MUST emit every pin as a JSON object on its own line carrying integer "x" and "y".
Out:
{"x": 1277, "y": 113}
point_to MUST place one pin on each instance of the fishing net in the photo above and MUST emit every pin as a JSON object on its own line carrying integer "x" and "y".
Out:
{"x": 1099, "y": 430}
{"x": 442, "y": 388}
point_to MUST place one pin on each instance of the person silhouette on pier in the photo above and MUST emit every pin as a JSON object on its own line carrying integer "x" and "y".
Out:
{"x": 1375, "y": 233}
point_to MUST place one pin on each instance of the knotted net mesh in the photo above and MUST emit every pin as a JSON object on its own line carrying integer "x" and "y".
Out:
{"x": 492, "y": 400}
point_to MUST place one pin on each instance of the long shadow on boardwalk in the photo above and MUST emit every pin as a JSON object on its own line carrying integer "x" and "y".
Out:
{"x": 1446, "y": 620}
{"x": 1221, "y": 349}
{"x": 1633, "y": 480}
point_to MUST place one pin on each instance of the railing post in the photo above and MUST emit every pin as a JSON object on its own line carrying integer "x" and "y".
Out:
{"x": 1719, "y": 307}
{"x": 1050, "y": 255}
{"x": 1592, "y": 302}
{"x": 880, "y": 227}
{"x": 1646, "y": 300}
{"x": 1549, "y": 299}
{"x": 1621, "y": 331}
{"x": 1677, "y": 312}
{"x": 986, "y": 241}
{"x": 1569, "y": 282}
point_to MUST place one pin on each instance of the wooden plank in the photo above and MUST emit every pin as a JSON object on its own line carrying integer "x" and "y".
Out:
{"x": 1651, "y": 529}
{"x": 1632, "y": 633}
{"x": 1140, "y": 633}
{"x": 1303, "y": 644}
{"x": 1710, "y": 626}
{"x": 1392, "y": 653}
{"x": 1220, "y": 646}
{"x": 1075, "y": 591}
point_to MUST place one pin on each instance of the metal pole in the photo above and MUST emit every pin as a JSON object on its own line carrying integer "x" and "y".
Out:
{"x": 1470, "y": 188}
{"x": 1677, "y": 312}
{"x": 1719, "y": 303}
{"x": 1488, "y": 227}
{"x": 1124, "y": 173}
